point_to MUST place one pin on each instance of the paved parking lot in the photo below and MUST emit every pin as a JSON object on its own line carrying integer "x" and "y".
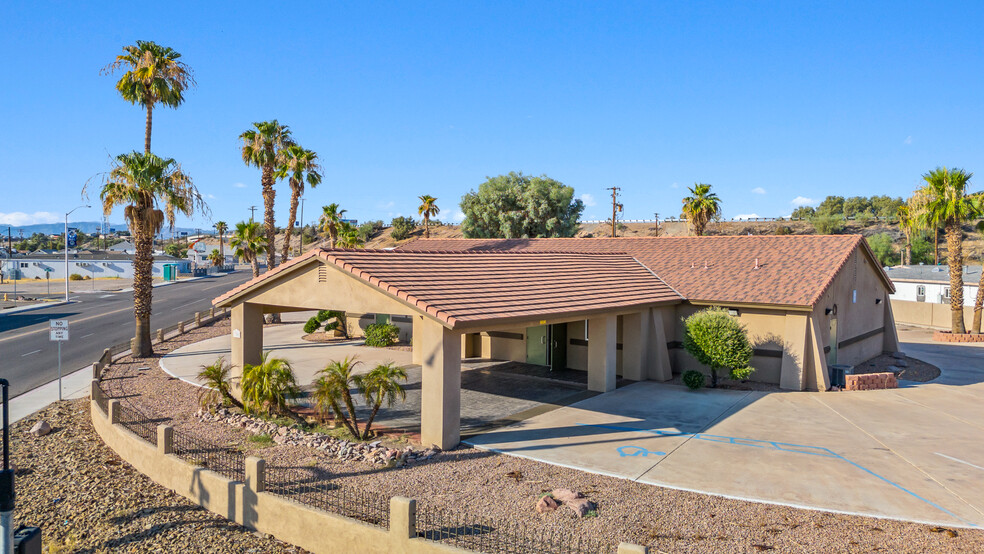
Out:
{"x": 914, "y": 453}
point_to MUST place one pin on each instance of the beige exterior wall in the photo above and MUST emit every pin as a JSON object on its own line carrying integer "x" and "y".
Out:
{"x": 927, "y": 314}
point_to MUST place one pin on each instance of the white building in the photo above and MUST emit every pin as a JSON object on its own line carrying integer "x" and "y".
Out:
{"x": 86, "y": 264}
{"x": 926, "y": 283}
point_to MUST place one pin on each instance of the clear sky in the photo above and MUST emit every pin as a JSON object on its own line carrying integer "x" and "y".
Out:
{"x": 773, "y": 103}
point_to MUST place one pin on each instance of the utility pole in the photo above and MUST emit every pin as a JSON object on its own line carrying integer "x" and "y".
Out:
{"x": 252, "y": 210}
{"x": 300, "y": 249}
{"x": 616, "y": 207}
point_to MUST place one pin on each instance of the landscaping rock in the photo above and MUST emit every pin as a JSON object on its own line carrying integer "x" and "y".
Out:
{"x": 546, "y": 504}
{"x": 898, "y": 355}
{"x": 902, "y": 363}
{"x": 581, "y": 506}
{"x": 566, "y": 495}
{"x": 40, "y": 429}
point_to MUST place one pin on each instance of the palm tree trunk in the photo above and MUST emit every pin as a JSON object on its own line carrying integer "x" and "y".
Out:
{"x": 269, "y": 195}
{"x": 295, "y": 196}
{"x": 221, "y": 249}
{"x": 936, "y": 246}
{"x": 979, "y": 305}
{"x": 955, "y": 259}
{"x": 427, "y": 230}
{"x": 143, "y": 262}
{"x": 150, "y": 123}
{"x": 372, "y": 416}
{"x": 351, "y": 409}
{"x": 255, "y": 262}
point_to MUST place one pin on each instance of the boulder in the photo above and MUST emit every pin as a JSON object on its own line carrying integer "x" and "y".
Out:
{"x": 898, "y": 355}
{"x": 901, "y": 363}
{"x": 566, "y": 495}
{"x": 40, "y": 428}
{"x": 581, "y": 506}
{"x": 546, "y": 504}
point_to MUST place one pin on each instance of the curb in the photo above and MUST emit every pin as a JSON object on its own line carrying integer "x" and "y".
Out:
{"x": 10, "y": 311}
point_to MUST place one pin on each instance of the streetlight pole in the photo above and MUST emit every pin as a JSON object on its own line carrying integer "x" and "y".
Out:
{"x": 66, "y": 246}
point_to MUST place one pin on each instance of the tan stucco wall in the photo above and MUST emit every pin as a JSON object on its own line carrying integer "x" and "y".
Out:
{"x": 297, "y": 524}
{"x": 513, "y": 349}
{"x": 927, "y": 314}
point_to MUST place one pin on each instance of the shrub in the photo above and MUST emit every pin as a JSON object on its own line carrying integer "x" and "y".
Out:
{"x": 402, "y": 227}
{"x": 312, "y": 325}
{"x": 217, "y": 387}
{"x": 693, "y": 379}
{"x": 382, "y": 334}
{"x": 784, "y": 230}
{"x": 827, "y": 224}
{"x": 269, "y": 386}
{"x": 322, "y": 315}
{"x": 75, "y": 277}
{"x": 882, "y": 246}
{"x": 719, "y": 341}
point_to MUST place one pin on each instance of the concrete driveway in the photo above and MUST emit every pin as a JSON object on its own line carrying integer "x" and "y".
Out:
{"x": 914, "y": 453}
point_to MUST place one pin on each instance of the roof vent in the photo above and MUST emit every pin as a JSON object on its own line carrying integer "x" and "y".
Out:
{"x": 705, "y": 264}
{"x": 756, "y": 263}
{"x": 692, "y": 266}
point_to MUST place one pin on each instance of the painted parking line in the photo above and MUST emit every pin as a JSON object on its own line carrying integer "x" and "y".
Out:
{"x": 29, "y": 353}
{"x": 959, "y": 460}
{"x": 780, "y": 446}
{"x": 107, "y": 296}
{"x": 89, "y": 335}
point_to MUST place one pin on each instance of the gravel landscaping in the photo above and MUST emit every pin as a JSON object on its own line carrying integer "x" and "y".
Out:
{"x": 502, "y": 488}
{"x": 86, "y": 499}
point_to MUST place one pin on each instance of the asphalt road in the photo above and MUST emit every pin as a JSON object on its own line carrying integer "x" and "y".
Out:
{"x": 28, "y": 358}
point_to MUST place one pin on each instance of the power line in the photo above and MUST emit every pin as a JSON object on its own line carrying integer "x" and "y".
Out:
{"x": 616, "y": 207}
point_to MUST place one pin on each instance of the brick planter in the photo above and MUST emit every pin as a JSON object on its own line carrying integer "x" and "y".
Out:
{"x": 871, "y": 381}
{"x": 947, "y": 336}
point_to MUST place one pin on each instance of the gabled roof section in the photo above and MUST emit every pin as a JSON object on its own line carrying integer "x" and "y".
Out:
{"x": 460, "y": 288}
{"x": 792, "y": 270}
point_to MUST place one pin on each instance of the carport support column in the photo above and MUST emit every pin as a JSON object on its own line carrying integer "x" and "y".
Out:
{"x": 635, "y": 335}
{"x": 416, "y": 340}
{"x": 247, "y": 340}
{"x": 440, "y": 403}
{"x": 601, "y": 353}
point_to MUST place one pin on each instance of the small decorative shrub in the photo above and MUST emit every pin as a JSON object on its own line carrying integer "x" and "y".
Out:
{"x": 75, "y": 277}
{"x": 322, "y": 315}
{"x": 720, "y": 341}
{"x": 693, "y": 379}
{"x": 382, "y": 334}
{"x": 402, "y": 227}
{"x": 784, "y": 230}
{"x": 312, "y": 325}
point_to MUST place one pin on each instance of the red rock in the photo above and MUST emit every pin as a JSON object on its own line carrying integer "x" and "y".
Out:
{"x": 581, "y": 506}
{"x": 566, "y": 495}
{"x": 546, "y": 504}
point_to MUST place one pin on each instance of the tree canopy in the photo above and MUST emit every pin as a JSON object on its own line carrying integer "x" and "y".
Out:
{"x": 518, "y": 206}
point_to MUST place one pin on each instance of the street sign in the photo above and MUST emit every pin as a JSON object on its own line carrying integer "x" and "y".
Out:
{"x": 58, "y": 334}
{"x": 58, "y": 323}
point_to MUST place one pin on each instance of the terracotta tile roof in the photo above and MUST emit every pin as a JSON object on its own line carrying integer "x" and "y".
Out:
{"x": 792, "y": 270}
{"x": 461, "y": 287}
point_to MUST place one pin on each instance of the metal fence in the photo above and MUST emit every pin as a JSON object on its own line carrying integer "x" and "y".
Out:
{"x": 488, "y": 535}
{"x": 307, "y": 487}
{"x": 225, "y": 461}
{"x": 139, "y": 424}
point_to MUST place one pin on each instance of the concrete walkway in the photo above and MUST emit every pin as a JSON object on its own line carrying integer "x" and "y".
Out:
{"x": 914, "y": 453}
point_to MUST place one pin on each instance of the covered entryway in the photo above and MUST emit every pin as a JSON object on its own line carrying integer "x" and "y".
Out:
{"x": 452, "y": 297}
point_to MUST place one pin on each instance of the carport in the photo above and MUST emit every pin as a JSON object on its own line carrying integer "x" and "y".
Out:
{"x": 454, "y": 298}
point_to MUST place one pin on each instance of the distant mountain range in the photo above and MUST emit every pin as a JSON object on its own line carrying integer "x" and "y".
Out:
{"x": 87, "y": 227}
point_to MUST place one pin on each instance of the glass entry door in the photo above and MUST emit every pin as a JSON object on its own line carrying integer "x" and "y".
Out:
{"x": 537, "y": 345}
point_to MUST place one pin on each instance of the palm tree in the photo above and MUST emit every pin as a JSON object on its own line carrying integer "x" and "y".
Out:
{"x": 333, "y": 388}
{"x": 348, "y": 236}
{"x": 142, "y": 182}
{"x": 427, "y": 209}
{"x": 270, "y": 385}
{"x": 979, "y": 301}
{"x": 300, "y": 166}
{"x": 701, "y": 207}
{"x": 248, "y": 244}
{"x": 378, "y": 386}
{"x": 949, "y": 205}
{"x": 908, "y": 223}
{"x": 221, "y": 227}
{"x": 264, "y": 147}
{"x": 217, "y": 386}
{"x": 153, "y": 75}
{"x": 331, "y": 219}
{"x": 216, "y": 258}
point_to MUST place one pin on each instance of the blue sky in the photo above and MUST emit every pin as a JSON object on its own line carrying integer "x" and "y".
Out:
{"x": 773, "y": 103}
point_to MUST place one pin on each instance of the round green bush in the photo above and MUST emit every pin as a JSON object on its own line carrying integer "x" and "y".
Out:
{"x": 312, "y": 325}
{"x": 75, "y": 277}
{"x": 322, "y": 315}
{"x": 693, "y": 379}
{"x": 382, "y": 334}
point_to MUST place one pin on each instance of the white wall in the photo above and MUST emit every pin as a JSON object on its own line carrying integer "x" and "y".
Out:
{"x": 907, "y": 291}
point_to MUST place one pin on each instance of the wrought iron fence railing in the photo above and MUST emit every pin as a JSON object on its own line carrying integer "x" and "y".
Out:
{"x": 139, "y": 424}
{"x": 225, "y": 461}
{"x": 308, "y": 487}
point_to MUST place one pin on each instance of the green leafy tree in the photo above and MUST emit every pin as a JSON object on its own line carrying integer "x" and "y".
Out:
{"x": 803, "y": 212}
{"x": 263, "y": 147}
{"x": 270, "y": 386}
{"x": 700, "y": 207}
{"x": 428, "y": 209}
{"x": 153, "y": 75}
{"x": 882, "y": 246}
{"x": 144, "y": 184}
{"x": 217, "y": 385}
{"x": 827, "y": 224}
{"x": 176, "y": 250}
{"x": 402, "y": 227}
{"x": 856, "y": 205}
{"x": 517, "y": 205}
{"x": 331, "y": 221}
{"x": 950, "y": 205}
{"x": 381, "y": 385}
{"x": 348, "y": 236}
{"x": 299, "y": 167}
{"x": 718, "y": 341}
{"x": 248, "y": 243}
{"x": 886, "y": 207}
{"x": 831, "y": 206}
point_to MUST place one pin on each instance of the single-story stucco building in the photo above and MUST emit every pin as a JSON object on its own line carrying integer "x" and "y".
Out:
{"x": 922, "y": 294}
{"x": 611, "y": 307}
{"x": 96, "y": 265}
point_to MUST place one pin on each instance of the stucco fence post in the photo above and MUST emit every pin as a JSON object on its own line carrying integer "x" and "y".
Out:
{"x": 181, "y": 327}
{"x": 160, "y": 335}
{"x": 198, "y": 319}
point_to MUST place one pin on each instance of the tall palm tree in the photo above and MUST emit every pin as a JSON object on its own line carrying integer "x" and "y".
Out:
{"x": 145, "y": 183}
{"x": 248, "y": 244}
{"x": 154, "y": 75}
{"x": 263, "y": 147}
{"x": 950, "y": 206}
{"x": 908, "y": 224}
{"x": 427, "y": 209}
{"x": 701, "y": 207}
{"x": 300, "y": 166}
{"x": 221, "y": 227}
{"x": 380, "y": 385}
{"x": 348, "y": 236}
{"x": 331, "y": 220}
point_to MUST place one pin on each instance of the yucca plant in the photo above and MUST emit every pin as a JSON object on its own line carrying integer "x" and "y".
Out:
{"x": 217, "y": 387}
{"x": 270, "y": 386}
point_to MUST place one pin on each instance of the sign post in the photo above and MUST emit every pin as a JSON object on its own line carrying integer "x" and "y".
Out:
{"x": 58, "y": 332}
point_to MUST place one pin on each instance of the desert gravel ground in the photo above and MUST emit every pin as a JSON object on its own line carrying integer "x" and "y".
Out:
{"x": 86, "y": 499}
{"x": 505, "y": 488}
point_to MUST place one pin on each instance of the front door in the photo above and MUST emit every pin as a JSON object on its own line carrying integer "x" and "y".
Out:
{"x": 537, "y": 350}
{"x": 558, "y": 347}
